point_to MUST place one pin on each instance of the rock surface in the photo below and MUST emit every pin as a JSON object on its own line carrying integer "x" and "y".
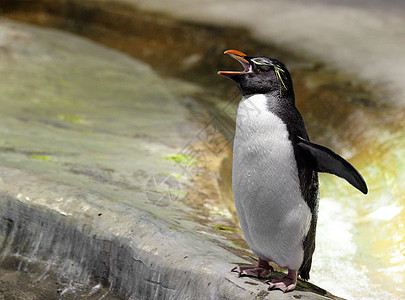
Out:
{"x": 84, "y": 132}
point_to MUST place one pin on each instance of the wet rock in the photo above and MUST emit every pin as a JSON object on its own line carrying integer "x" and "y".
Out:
{"x": 86, "y": 133}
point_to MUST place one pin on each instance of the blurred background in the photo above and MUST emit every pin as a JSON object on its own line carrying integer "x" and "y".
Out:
{"x": 149, "y": 125}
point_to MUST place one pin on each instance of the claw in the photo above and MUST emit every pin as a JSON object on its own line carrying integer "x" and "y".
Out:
{"x": 281, "y": 286}
{"x": 240, "y": 269}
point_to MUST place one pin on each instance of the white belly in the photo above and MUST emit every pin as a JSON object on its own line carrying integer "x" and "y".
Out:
{"x": 273, "y": 215}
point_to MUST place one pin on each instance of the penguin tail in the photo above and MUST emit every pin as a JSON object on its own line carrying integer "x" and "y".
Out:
{"x": 304, "y": 271}
{"x": 309, "y": 248}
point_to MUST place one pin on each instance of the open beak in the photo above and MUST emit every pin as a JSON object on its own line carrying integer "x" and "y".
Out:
{"x": 240, "y": 57}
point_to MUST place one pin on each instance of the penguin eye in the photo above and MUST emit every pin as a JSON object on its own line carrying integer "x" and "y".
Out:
{"x": 262, "y": 64}
{"x": 263, "y": 68}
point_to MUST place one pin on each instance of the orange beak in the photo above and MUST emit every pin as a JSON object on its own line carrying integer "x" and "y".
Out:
{"x": 235, "y": 52}
{"x": 240, "y": 57}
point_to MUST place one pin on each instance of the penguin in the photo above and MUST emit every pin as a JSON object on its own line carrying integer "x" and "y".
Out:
{"x": 275, "y": 172}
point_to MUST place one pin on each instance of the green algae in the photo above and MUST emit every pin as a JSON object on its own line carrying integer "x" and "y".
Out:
{"x": 72, "y": 119}
{"x": 234, "y": 244}
{"x": 40, "y": 157}
{"x": 223, "y": 228}
{"x": 182, "y": 159}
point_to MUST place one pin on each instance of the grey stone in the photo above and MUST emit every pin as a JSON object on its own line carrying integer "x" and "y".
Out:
{"x": 83, "y": 129}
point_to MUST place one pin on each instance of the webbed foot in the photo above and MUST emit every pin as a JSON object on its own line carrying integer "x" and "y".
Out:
{"x": 262, "y": 270}
{"x": 287, "y": 283}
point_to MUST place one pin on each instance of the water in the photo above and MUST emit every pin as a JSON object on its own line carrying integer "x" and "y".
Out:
{"x": 36, "y": 281}
{"x": 361, "y": 239}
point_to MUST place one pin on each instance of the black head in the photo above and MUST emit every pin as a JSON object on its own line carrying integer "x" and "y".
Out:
{"x": 262, "y": 75}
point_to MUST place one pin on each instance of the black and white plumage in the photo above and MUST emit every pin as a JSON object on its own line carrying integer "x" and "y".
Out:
{"x": 275, "y": 171}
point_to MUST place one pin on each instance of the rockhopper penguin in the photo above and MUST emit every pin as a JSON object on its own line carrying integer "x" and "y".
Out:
{"x": 275, "y": 171}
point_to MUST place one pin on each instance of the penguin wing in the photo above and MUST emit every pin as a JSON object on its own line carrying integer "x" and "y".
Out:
{"x": 322, "y": 159}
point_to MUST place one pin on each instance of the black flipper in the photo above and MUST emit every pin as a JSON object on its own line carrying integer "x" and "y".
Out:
{"x": 322, "y": 159}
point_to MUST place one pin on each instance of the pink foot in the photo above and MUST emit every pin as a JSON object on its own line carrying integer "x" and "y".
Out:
{"x": 262, "y": 270}
{"x": 287, "y": 283}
